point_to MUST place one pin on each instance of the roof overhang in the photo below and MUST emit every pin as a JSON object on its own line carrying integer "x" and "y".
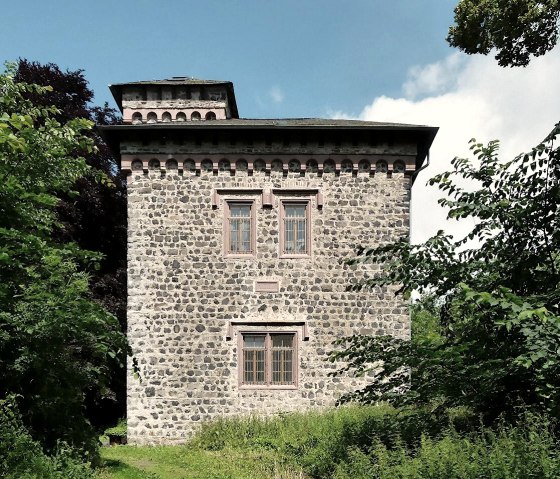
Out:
{"x": 422, "y": 135}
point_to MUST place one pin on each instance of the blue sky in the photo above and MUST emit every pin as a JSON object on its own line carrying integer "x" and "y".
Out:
{"x": 380, "y": 60}
{"x": 286, "y": 58}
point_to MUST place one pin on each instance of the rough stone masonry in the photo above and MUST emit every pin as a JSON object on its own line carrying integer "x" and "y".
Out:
{"x": 236, "y": 234}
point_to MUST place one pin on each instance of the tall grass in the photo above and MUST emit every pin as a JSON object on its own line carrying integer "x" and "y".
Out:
{"x": 520, "y": 452}
{"x": 319, "y": 441}
{"x": 352, "y": 442}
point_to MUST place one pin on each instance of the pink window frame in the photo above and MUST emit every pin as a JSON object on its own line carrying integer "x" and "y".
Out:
{"x": 227, "y": 231}
{"x": 307, "y": 204}
{"x": 268, "y": 360}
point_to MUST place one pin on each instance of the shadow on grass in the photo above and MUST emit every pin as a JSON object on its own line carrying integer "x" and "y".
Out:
{"x": 111, "y": 468}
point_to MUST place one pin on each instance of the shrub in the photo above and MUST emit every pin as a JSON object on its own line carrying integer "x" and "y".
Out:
{"x": 116, "y": 435}
{"x": 524, "y": 451}
{"x": 318, "y": 441}
{"x": 382, "y": 442}
{"x": 22, "y": 458}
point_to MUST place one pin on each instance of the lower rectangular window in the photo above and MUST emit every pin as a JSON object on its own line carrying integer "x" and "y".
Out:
{"x": 269, "y": 359}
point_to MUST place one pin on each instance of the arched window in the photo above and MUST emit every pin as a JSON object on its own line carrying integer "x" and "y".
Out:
{"x": 398, "y": 167}
{"x": 171, "y": 164}
{"x": 189, "y": 165}
{"x": 224, "y": 165}
{"x": 346, "y": 166}
{"x": 136, "y": 165}
{"x": 166, "y": 117}
{"x": 381, "y": 166}
{"x": 152, "y": 117}
{"x": 241, "y": 165}
{"x": 136, "y": 118}
{"x": 328, "y": 166}
{"x": 195, "y": 116}
{"x": 364, "y": 166}
{"x": 311, "y": 166}
{"x": 294, "y": 166}
{"x": 210, "y": 115}
{"x": 259, "y": 165}
{"x": 181, "y": 116}
{"x": 277, "y": 166}
{"x": 153, "y": 164}
{"x": 206, "y": 165}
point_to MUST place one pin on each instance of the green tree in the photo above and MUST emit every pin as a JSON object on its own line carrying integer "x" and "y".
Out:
{"x": 497, "y": 342}
{"x": 517, "y": 29}
{"x": 56, "y": 342}
{"x": 94, "y": 218}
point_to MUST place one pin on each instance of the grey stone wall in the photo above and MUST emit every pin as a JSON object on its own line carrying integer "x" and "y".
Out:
{"x": 184, "y": 294}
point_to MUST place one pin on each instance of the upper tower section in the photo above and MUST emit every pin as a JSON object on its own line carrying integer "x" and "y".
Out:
{"x": 179, "y": 99}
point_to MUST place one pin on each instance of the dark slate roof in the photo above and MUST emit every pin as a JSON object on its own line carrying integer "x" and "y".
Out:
{"x": 176, "y": 81}
{"x": 309, "y": 122}
{"x": 312, "y": 123}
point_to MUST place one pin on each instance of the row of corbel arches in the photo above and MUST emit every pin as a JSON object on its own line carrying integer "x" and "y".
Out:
{"x": 152, "y": 117}
{"x": 276, "y": 166}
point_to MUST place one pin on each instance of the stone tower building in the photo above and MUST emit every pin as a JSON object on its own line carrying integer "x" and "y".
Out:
{"x": 236, "y": 232}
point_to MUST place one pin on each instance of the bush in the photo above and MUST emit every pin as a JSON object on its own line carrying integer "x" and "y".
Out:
{"x": 524, "y": 451}
{"x": 382, "y": 442}
{"x": 22, "y": 458}
{"x": 319, "y": 441}
{"x": 118, "y": 430}
{"x": 116, "y": 435}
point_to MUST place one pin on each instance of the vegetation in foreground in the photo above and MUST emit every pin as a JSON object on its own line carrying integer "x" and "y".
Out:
{"x": 58, "y": 345}
{"x": 352, "y": 442}
{"x": 22, "y": 457}
{"x": 494, "y": 343}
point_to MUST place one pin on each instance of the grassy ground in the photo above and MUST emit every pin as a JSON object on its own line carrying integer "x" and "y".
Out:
{"x": 350, "y": 443}
{"x": 279, "y": 447}
{"x": 190, "y": 462}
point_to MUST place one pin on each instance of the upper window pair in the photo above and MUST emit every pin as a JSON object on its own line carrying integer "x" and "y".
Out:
{"x": 240, "y": 228}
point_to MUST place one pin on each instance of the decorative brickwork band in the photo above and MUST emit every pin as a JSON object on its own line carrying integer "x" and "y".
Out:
{"x": 270, "y": 165}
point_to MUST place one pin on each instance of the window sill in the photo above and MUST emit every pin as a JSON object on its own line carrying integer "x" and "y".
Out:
{"x": 240, "y": 256}
{"x": 294, "y": 256}
{"x": 247, "y": 387}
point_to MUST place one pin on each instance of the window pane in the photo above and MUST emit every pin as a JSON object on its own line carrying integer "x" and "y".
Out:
{"x": 282, "y": 354}
{"x": 282, "y": 366}
{"x": 254, "y": 359}
{"x": 239, "y": 228}
{"x": 295, "y": 232}
{"x": 253, "y": 372}
{"x": 282, "y": 340}
{"x": 295, "y": 229}
{"x": 295, "y": 211}
{"x": 240, "y": 211}
{"x": 253, "y": 341}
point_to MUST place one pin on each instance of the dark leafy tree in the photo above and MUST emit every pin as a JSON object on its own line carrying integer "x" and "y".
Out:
{"x": 94, "y": 214}
{"x": 95, "y": 218}
{"x": 497, "y": 341}
{"x": 57, "y": 344}
{"x": 517, "y": 29}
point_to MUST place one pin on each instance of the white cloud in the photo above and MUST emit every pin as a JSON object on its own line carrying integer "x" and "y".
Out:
{"x": 470, "y": 97}
{"x": 276, "y": 94}
{"x": 434, "y": 78}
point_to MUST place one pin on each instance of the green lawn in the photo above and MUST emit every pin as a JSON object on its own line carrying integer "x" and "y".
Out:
{"x": 189, "y": 462}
